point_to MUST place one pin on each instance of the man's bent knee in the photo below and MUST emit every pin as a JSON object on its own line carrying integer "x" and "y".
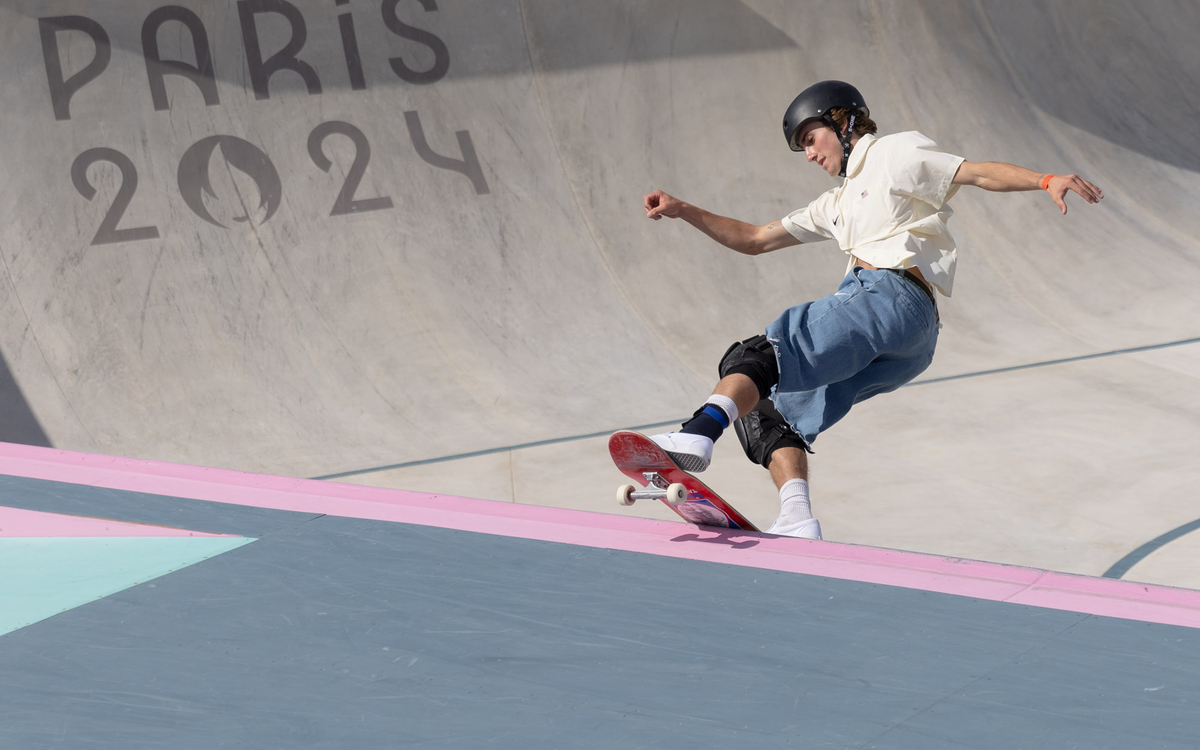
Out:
{"x": 754, "y": 358}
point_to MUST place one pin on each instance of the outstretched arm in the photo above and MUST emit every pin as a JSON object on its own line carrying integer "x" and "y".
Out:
{"x": 737, "y": 235}
{"x": 1004, "y": 178}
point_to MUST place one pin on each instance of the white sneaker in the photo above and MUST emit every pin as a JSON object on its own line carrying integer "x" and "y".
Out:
{"x": 808, "y": 528}
{"x": 691, "y": 452}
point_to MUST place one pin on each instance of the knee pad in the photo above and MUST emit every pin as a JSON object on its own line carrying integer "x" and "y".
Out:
{"x": 754, "y": 358}
{"x": 764, "y": 431}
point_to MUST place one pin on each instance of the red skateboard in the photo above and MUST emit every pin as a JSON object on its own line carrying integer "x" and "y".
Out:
{"x": 640, "y": 459}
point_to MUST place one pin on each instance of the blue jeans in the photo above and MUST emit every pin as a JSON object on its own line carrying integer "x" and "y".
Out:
{"x": 874, "y": 334}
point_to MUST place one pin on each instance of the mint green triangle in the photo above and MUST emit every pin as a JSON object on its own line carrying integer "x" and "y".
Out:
{"x": 41, "y": 577}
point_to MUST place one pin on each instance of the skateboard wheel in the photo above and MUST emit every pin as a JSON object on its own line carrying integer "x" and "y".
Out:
{"x": 676, "y": 494}
{"x": 624, "y": 494}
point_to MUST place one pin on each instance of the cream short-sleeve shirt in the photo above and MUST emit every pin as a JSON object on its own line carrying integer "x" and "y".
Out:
{"x": 890, "y": 210}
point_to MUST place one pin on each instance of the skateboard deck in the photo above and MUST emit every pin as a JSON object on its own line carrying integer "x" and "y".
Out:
{"x": 640, "y": 459}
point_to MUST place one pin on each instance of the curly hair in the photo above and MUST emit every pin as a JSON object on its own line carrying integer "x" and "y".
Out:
{"x": 862, "y": 124}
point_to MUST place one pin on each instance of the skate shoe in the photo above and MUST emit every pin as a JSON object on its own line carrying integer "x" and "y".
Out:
{"x": 692, "y": 452}
{"x": 808, "y": 528}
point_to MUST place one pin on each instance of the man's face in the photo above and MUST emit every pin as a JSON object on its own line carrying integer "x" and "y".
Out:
{"x": 821, "y": 145}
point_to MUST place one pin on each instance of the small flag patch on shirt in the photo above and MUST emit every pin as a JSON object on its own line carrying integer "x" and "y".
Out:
{"x": 864, "y": 194}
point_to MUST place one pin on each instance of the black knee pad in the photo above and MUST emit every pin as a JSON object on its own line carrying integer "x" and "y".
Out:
{"x": 764, "y": 431}
{"x": 754, "y": 358}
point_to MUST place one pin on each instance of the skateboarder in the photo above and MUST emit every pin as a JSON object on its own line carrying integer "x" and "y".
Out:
{"x": 879, "y": 329}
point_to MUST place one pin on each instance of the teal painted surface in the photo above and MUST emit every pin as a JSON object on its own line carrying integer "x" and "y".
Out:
{"x": 41, "y": 577}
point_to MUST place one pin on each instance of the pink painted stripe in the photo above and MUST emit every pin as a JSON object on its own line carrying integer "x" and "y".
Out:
{"x": 16, "y": 522}
{"x": 982, "y": 580}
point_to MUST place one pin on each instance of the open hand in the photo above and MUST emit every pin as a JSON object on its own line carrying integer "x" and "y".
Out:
{"x": 658, "y": 204}
{"x": 1060, "y": 184}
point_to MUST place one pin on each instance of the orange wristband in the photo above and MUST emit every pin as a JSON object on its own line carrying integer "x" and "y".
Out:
{"x": 1046, "y": 181}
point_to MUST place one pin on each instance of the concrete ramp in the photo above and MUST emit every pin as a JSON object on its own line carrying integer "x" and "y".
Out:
{"x": 356, "y": 239}
{"x": 309, "y": 281}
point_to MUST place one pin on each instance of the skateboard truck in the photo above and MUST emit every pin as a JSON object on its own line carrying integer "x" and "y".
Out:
{"x": 657, "y": 488}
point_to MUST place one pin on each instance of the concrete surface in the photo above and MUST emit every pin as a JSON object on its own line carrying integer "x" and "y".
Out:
{"x": 332, "y": 631}
{"x": 518, "y": 297}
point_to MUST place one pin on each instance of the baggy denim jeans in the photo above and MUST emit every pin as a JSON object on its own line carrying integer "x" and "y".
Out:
{"x": 874, "y": 334}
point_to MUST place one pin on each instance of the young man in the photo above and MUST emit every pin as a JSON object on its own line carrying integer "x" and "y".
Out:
{"x": 879, "y": 329}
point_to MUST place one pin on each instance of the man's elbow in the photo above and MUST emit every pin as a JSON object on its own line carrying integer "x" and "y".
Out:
{"x": 761, "y": 244}
{"x": 768, "y": 239}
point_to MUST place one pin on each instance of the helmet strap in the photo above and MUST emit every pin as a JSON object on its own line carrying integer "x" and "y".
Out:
{"x": 845, "y": 139}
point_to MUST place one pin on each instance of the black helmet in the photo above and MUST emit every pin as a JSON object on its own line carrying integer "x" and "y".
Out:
{"x": 814, "y": 103}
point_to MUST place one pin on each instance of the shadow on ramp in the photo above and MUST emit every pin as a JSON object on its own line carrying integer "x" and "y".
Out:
{"x": 17, "y": 423}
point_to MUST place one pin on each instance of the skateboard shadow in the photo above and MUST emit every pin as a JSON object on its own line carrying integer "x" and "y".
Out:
{"x": 727, "y": 537}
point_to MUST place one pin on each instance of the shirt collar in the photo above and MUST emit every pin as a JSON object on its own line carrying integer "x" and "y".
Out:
{"x": 859, "y": 154}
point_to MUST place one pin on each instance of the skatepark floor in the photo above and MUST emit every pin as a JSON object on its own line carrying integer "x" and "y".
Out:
{"x": 209, "y": 607}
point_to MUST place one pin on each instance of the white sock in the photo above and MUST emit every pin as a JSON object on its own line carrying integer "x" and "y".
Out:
{"x": 793, "y": 502}
{"x": 725, "y": 404}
